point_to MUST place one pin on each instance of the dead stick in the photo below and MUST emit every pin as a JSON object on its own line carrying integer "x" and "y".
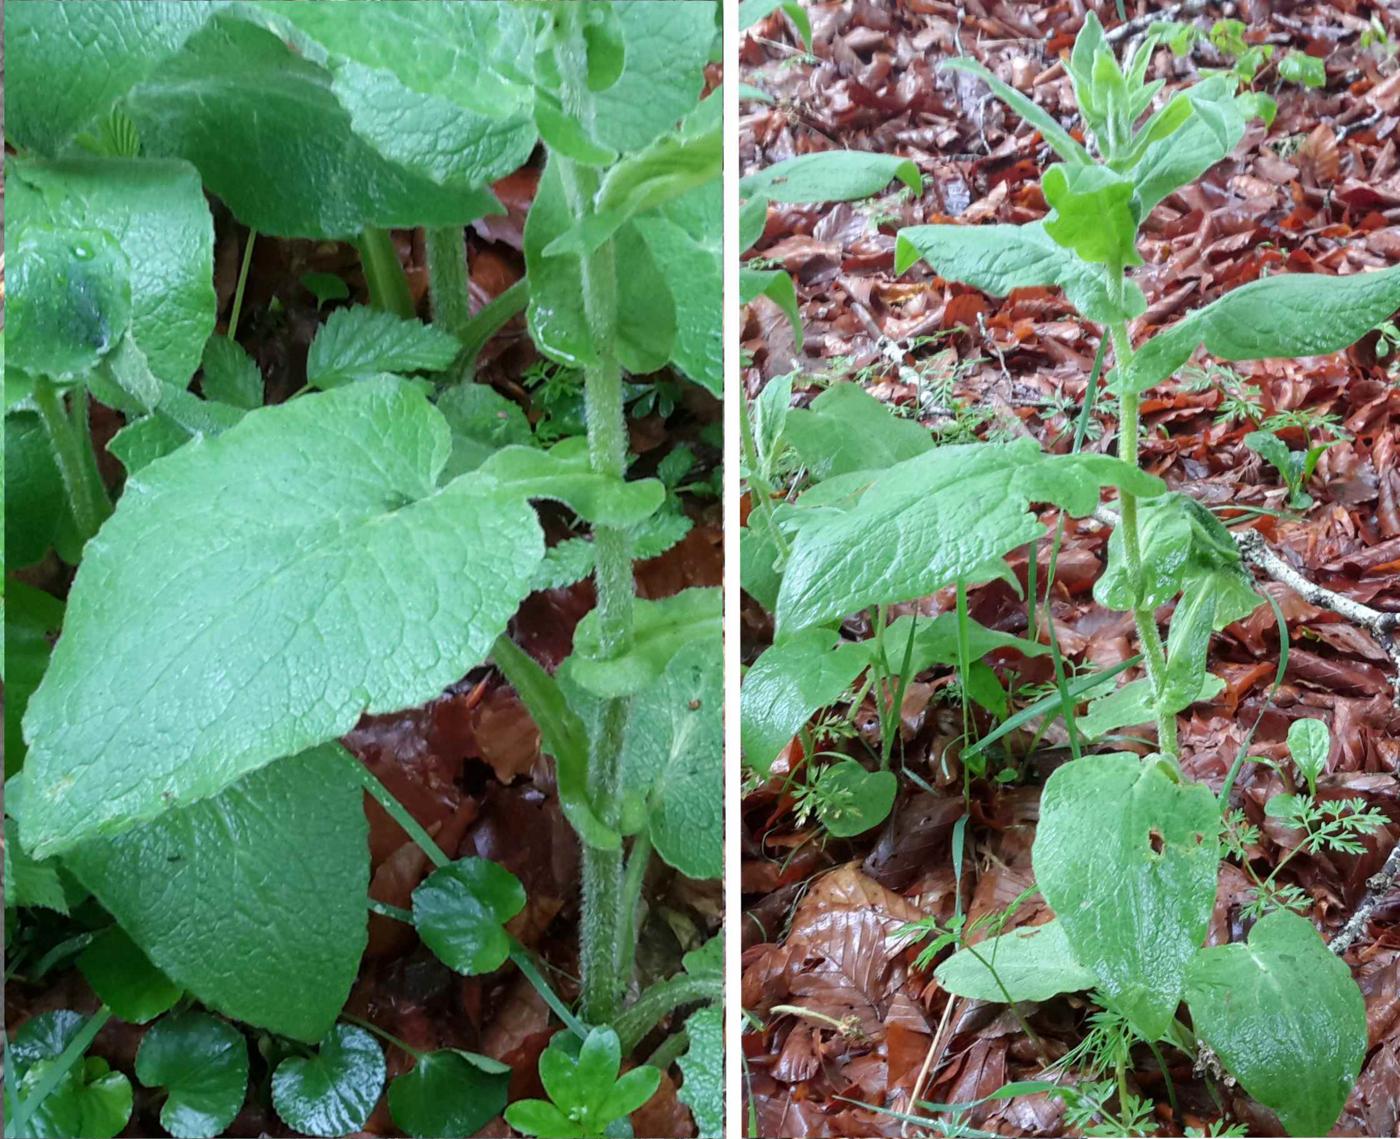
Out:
{"x": 1377, "y": 886}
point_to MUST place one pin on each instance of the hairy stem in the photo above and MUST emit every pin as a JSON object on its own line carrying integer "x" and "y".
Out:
{"x": 87, "y": 498}
{"x": 662, "y": 999}
{"x": 447, "y": 278}
{"x": 634, "y": 876}
{"x": 388, "y": 283}
{"x": 604, "y": 913}
{"x": 1153, "y": 655}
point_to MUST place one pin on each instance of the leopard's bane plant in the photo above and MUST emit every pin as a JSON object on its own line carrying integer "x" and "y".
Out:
{"x": 1127, "y": 851}
{"x": 268, "y": 574}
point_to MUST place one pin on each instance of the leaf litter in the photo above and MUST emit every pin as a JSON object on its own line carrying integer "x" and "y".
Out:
{"x": 859, "y": 1023}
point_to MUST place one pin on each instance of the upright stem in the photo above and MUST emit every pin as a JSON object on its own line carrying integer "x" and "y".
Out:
{"x": 86, "y": 497}
{"x": 1153, "y": 654}
{"x": 603, "y": 930}
{"x": 447, "y": 278}
{"x": 397, "y": 811}
{"x": 388, "y": 284}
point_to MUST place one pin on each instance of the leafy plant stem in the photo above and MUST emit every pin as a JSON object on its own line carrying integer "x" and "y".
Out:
{"x": 385, "y": 798}
{"x": 86, "y": 497}
{"x": 387, "y": 1037}
{"x": 43, "y": 1088}
{"x": 447, "y": 278}
{"x": 635, "y": 875}
{"x": 238, "y": 291}
{"x": 1153, "y": 654}
{"x": 490, "y": 319}
{"x": 388, "y": 284}
{"x": 603, "y": 931}
{"x": 660, "y": 999}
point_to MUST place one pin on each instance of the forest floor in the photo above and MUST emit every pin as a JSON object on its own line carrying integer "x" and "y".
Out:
{"x": 1319, "y": 190}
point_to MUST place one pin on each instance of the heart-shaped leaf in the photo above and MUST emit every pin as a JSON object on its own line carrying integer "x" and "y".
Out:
{"x": 1127, "y": 857}
{"x": 1286, "y": 1017}
{"x": 202, "y": 1062}
{"x": 125, "y": 979}
{"x": 333, "y": 1092}
{"x": 460, "y": 911}
{"x": 90, "y": 1102}
{"x": 449, "y": 1094}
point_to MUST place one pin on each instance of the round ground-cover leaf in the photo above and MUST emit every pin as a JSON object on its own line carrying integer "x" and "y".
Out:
{"x": 1127, "y": 858}
{"x": 202, "y": 1062}
{"x": 460, "y": 911}
{"x": 1032, "y": 963}
{"x": 68, "y": 298}
{"x": 334, "y": 1091}
{"x": 270, "y": 138}
{"x": 100, "y": 50}
{"x": 449, "y": 1094}
{"x": 260, "y": 910}
{"x": 673, "y": 756}
{"x": 1285, "y": 1016}
{"x": 702, "y": 1069}
{"x": 851, "y": 799}
{"x": 125, "y": 979}
{"x": 255, "y": 593}
{"x": 90, "y": 1101}
{"x": 155, "y": 212}
{"x": 43, "y": 1037}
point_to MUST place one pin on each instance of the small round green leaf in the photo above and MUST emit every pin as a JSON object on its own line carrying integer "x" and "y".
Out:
{"x": 461, "y": 910}
{"x": 202, "y": 1061}
{"x": 125, "y": 979}
{"x": 43, "y": 1037}
{"x": 542, "y": 1119}
{"x": 852, "y": 800}
{"x": 90, "y": 1102}
{"x": 449, "y": 1094}
{"x": 1309, "y": 743}
{"x": 333, "y": 1092}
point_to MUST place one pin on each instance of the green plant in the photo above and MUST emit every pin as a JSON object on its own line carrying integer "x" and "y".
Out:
{"x": 896, "y": 519}
{"x": 586, "y": 1095}
{"x": 1295, "y": 467}
{"x": 270, "y": 573}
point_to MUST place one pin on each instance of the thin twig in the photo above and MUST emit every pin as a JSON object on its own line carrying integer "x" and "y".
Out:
{"x": 1377, "y": 887}
{"x": 1380, "y": 624}
{"x": 1143, "y": 22}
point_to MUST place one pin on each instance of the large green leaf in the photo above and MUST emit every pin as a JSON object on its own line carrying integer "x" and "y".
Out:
{"x": 202, "y": 1062}
{"x": 847, "y": 429}
{"x": 790, "y": 681}
{"x": 260, "y": 910}
{"x": 442, "y": 88}
{"x": 1215, "y": 125}
{"x": 100, "y": 50}
{"x": 35, "y": 503}
{"x": 269, "y": 136}
{"x": 646, "y": 313}
{"x": 830, "y": 176}
{"x": 1287, "y": 315}
{"x": 673, "y": 756}
{"x": 155, "y": 213}
{"x": 948, "y": 515}
{"x": 1032, "y": 963}
{"x": 1285, "y": 1016}
{"x": 32, "y": 621}
{"x": 999, "y": 258}
{"x": 702, "y": 1070}
{"x": 1092, "y": 214}
{"x": 1127, "y": 857}
{"x": 220, "y": 621}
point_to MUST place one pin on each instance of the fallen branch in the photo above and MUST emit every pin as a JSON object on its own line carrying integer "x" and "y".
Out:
{"x": 1377, "y": 887}
{"x": 1142, "y": 23}
{"x": 1380, "y": 624}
